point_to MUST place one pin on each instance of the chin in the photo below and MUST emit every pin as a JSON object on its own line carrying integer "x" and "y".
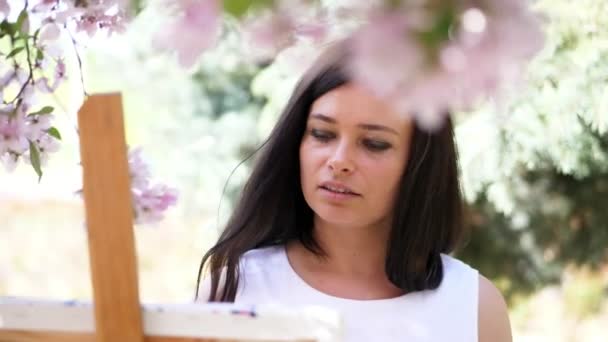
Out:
{"x": 341, "y": 216}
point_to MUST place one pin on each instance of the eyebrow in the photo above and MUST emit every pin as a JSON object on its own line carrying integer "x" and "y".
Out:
{"x": 369, "y": 127}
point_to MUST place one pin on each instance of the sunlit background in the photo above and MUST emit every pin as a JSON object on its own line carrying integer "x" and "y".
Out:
{"x": 534, "y": 170}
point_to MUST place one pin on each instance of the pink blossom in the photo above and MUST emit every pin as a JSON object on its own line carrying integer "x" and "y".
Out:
{"x": 7, "y": 78}
{"x": 25, "y": 25}
{"x": 17, "y": 131}
{"x": 139, "y": 171}
{"x": 64, "y": 15}
{"x": 429, "y": 100}
{"x": 60, "y": 71}
{"x": 45, "y": 85}
{"x": 150, "y": 204}
{"x": 5, "y": 9}
{"x": 44, "y": 5}
{"x": 495, "y": 56}
{"x": 10, "y": 161}
{"x": 385, "y": 57}
{"x": 13, "y": 129}
{"x": 317, "y": 31}
{"x": 21, "y": 74}
{"x": 486, "y": 51}
{"x": 164, "y": 195}
{"x": 48, "y": 143}
{"x": 49, "y": 32}
{"x": 90, "y": 16}
{"x": 269, "y": 32}
{"x": 28, "y": 98}
{"x": 45, "y": 144}
{"x": 88, "y": 23}
{"x": 195, "y": 29}
{"x": 37, "y": 125}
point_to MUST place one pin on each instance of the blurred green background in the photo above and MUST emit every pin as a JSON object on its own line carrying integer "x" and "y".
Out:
{"x": 534, "y": 171}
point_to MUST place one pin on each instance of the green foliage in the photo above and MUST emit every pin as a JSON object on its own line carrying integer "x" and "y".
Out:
{"x": 7, "y": 29}
{"x": 15, "y": 51}
{"x": 35, "y": 159}
{"x": 538, "y": 180}
{"x": 223, "y": 81}
{"x": 238, "y": 8}
{"x": 226, "y": 87}
{"x": 54, "y": 133}
{"x": 44, "y": 111}
{"x": 441, "y": 29}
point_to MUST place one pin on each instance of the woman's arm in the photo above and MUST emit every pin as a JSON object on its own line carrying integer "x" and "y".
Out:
{"x": 493, "y": 318}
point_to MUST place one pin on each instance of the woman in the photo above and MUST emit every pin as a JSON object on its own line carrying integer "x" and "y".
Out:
{"x": 351, "y": 206}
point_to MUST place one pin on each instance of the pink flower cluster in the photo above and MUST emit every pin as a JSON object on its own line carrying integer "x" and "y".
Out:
{"x": 485, "y": 47}
{"x": 25, "y": 128}
{"x": 36, "y": 67}
{"x": 196, "y": 25}
{"x": 429, "y": 58}
{"x": 289, "y": 22}
{"x": 4, "y": 9}
{"x": 20, "y": 133}
{"x": 149, "y": 202}
{"x": 88, "y": 16}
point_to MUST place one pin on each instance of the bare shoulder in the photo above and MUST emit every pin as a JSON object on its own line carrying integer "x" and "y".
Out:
{"x": 493, "y": 318}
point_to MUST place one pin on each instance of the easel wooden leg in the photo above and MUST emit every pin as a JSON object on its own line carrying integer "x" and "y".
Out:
{"x": 109, "y": 217}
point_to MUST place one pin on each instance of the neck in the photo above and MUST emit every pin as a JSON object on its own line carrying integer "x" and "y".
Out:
{"x": 352, "y": 250}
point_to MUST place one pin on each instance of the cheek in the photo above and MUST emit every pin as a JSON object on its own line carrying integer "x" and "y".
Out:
{"x": 384, "y": 177}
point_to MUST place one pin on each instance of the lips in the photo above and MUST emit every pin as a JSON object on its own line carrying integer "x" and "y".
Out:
{"x": 338, "y": 188}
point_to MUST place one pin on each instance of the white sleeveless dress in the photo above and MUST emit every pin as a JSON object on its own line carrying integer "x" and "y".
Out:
{"x": 448, "y": 313}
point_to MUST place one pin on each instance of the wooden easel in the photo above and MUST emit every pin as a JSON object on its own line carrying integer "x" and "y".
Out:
{"x": 106, "y": 187}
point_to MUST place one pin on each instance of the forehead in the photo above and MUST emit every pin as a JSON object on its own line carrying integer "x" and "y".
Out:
{"x": 351, "y": 102}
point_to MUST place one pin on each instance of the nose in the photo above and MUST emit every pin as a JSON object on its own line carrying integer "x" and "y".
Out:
{"x": 340, "y": 161}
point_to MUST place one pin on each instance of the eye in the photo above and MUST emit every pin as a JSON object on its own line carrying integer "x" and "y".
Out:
{"x": 322, "y": 135}
{"x": 376, "y": 145}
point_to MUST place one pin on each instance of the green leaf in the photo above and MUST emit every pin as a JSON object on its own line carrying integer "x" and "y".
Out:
{"x": 440, "y": 31}
{"x": 394, "y": 4}
{"x": 22, "y": 18}
{"x": 7, "y": 27}
{"x": 54, "y": 132}
{"x": 137, "y": 6}
{"x": 39, "y": 55}
{"x": 15, "y": 51}
{"x": 238, "y": 8}
{"x": 35, "y": 160}
{"x": 45, "y": 110}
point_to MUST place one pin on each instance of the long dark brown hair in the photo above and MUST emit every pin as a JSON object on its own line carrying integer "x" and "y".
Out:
{"x": 427, "y": 217}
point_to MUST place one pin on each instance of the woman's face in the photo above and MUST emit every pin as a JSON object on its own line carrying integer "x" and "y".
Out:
{"x": 352, "y": 157}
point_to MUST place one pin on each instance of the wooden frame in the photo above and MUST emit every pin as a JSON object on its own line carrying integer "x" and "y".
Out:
{"x": 116, "y": 308}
